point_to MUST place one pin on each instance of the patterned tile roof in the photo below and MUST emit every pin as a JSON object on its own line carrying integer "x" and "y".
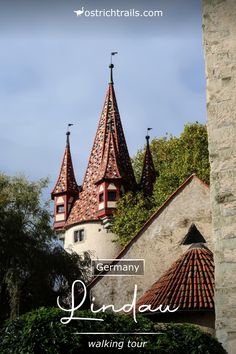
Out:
{"x": 66, "y": 181}
{"x": 188, "y": 283}
{"x": 109, "y": 158}
{"x": 148, "y": 174}
{"x": 110, "y": 164}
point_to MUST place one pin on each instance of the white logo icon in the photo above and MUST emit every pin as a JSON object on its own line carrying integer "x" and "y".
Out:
{"x": 79, "y": 12}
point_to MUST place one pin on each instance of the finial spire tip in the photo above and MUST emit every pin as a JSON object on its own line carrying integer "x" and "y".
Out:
{"x": 68, "y": 134}
{"x": 148, "y": 136}
{"x": 111, "y": 66}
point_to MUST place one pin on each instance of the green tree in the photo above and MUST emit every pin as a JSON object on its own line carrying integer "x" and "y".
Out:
{"x": 132, "y": 212}
{"x": 175, "y": 159}
{"x": 41, "y": 331}
{"x": 33, "y": 270}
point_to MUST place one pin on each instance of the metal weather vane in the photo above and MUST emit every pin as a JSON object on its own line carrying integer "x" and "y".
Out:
{"x": 148, "y": 129}
{"x": 113, "y": 53}
{"x": 68, "y": 133}
{"x": 68, "y": 126}
{"x": 111, "y": 66}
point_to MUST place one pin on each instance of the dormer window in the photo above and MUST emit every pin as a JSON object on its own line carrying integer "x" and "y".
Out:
{"x": 101, "y": 197}
{"x": 112, "y": 196}
{"x": 60, "y": 208}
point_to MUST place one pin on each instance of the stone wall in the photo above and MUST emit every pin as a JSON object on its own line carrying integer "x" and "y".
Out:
{"x": 219, "y": 31}
{"x": 160, "y": 244}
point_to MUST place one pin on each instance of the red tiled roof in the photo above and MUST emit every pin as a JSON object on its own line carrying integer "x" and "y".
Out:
{"x": 110, "y": 165}
{"x": 66, "y": 181}
{"x": 148, "y": 174}
{"x": 187, "y": 284}
{"x": 86, "y": 206}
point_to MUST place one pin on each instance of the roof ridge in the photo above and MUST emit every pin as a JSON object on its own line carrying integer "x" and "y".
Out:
{"x": 198, "y": 245}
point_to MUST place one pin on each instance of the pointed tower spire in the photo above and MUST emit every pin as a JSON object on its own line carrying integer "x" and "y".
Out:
{"x": 109, "y": 172}
{"x": 148, "y": 174}
{"x": 66, "y": 188}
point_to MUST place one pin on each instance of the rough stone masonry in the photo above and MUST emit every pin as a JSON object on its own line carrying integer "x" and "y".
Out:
{"x": 219, "y": 32}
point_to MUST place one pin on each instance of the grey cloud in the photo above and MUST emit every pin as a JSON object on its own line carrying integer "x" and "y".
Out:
{"x": 60, "y": 75}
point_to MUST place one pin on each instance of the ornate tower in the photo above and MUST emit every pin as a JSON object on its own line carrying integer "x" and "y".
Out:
{"x": 148, "y": 174}
{"x": 65, "y": 190}
{"x": 109, "y": 174}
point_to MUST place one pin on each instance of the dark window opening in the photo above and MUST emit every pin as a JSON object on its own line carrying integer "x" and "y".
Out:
{"x": 101, "y": 197}
{"x": 193, "y": 236}
{"x": 60, "y": 208}
{"x": 79, "y": 235}
{"x": 111, "y": 196}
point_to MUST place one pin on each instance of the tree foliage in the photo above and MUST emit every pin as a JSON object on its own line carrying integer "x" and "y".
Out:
{"x": 42, "y": 332}
{"x": 133, "y": 211}
{"x": 33, "y": 271}
{"x": 175, "y": 159}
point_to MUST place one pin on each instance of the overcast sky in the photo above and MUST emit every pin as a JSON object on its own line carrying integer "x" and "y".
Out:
{"x": 54, "y": 71}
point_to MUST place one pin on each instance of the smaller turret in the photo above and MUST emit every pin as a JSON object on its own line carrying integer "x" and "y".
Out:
{"x": 66, "y": 189}
{"x": 149, "y": 173}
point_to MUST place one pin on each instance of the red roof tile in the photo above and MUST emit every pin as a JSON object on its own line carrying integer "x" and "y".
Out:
{"x": 187, "y": 284}
{"x": 110, "y": 165}
{"x": 66, "y": 182}
{"x": 109, "y": 159}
